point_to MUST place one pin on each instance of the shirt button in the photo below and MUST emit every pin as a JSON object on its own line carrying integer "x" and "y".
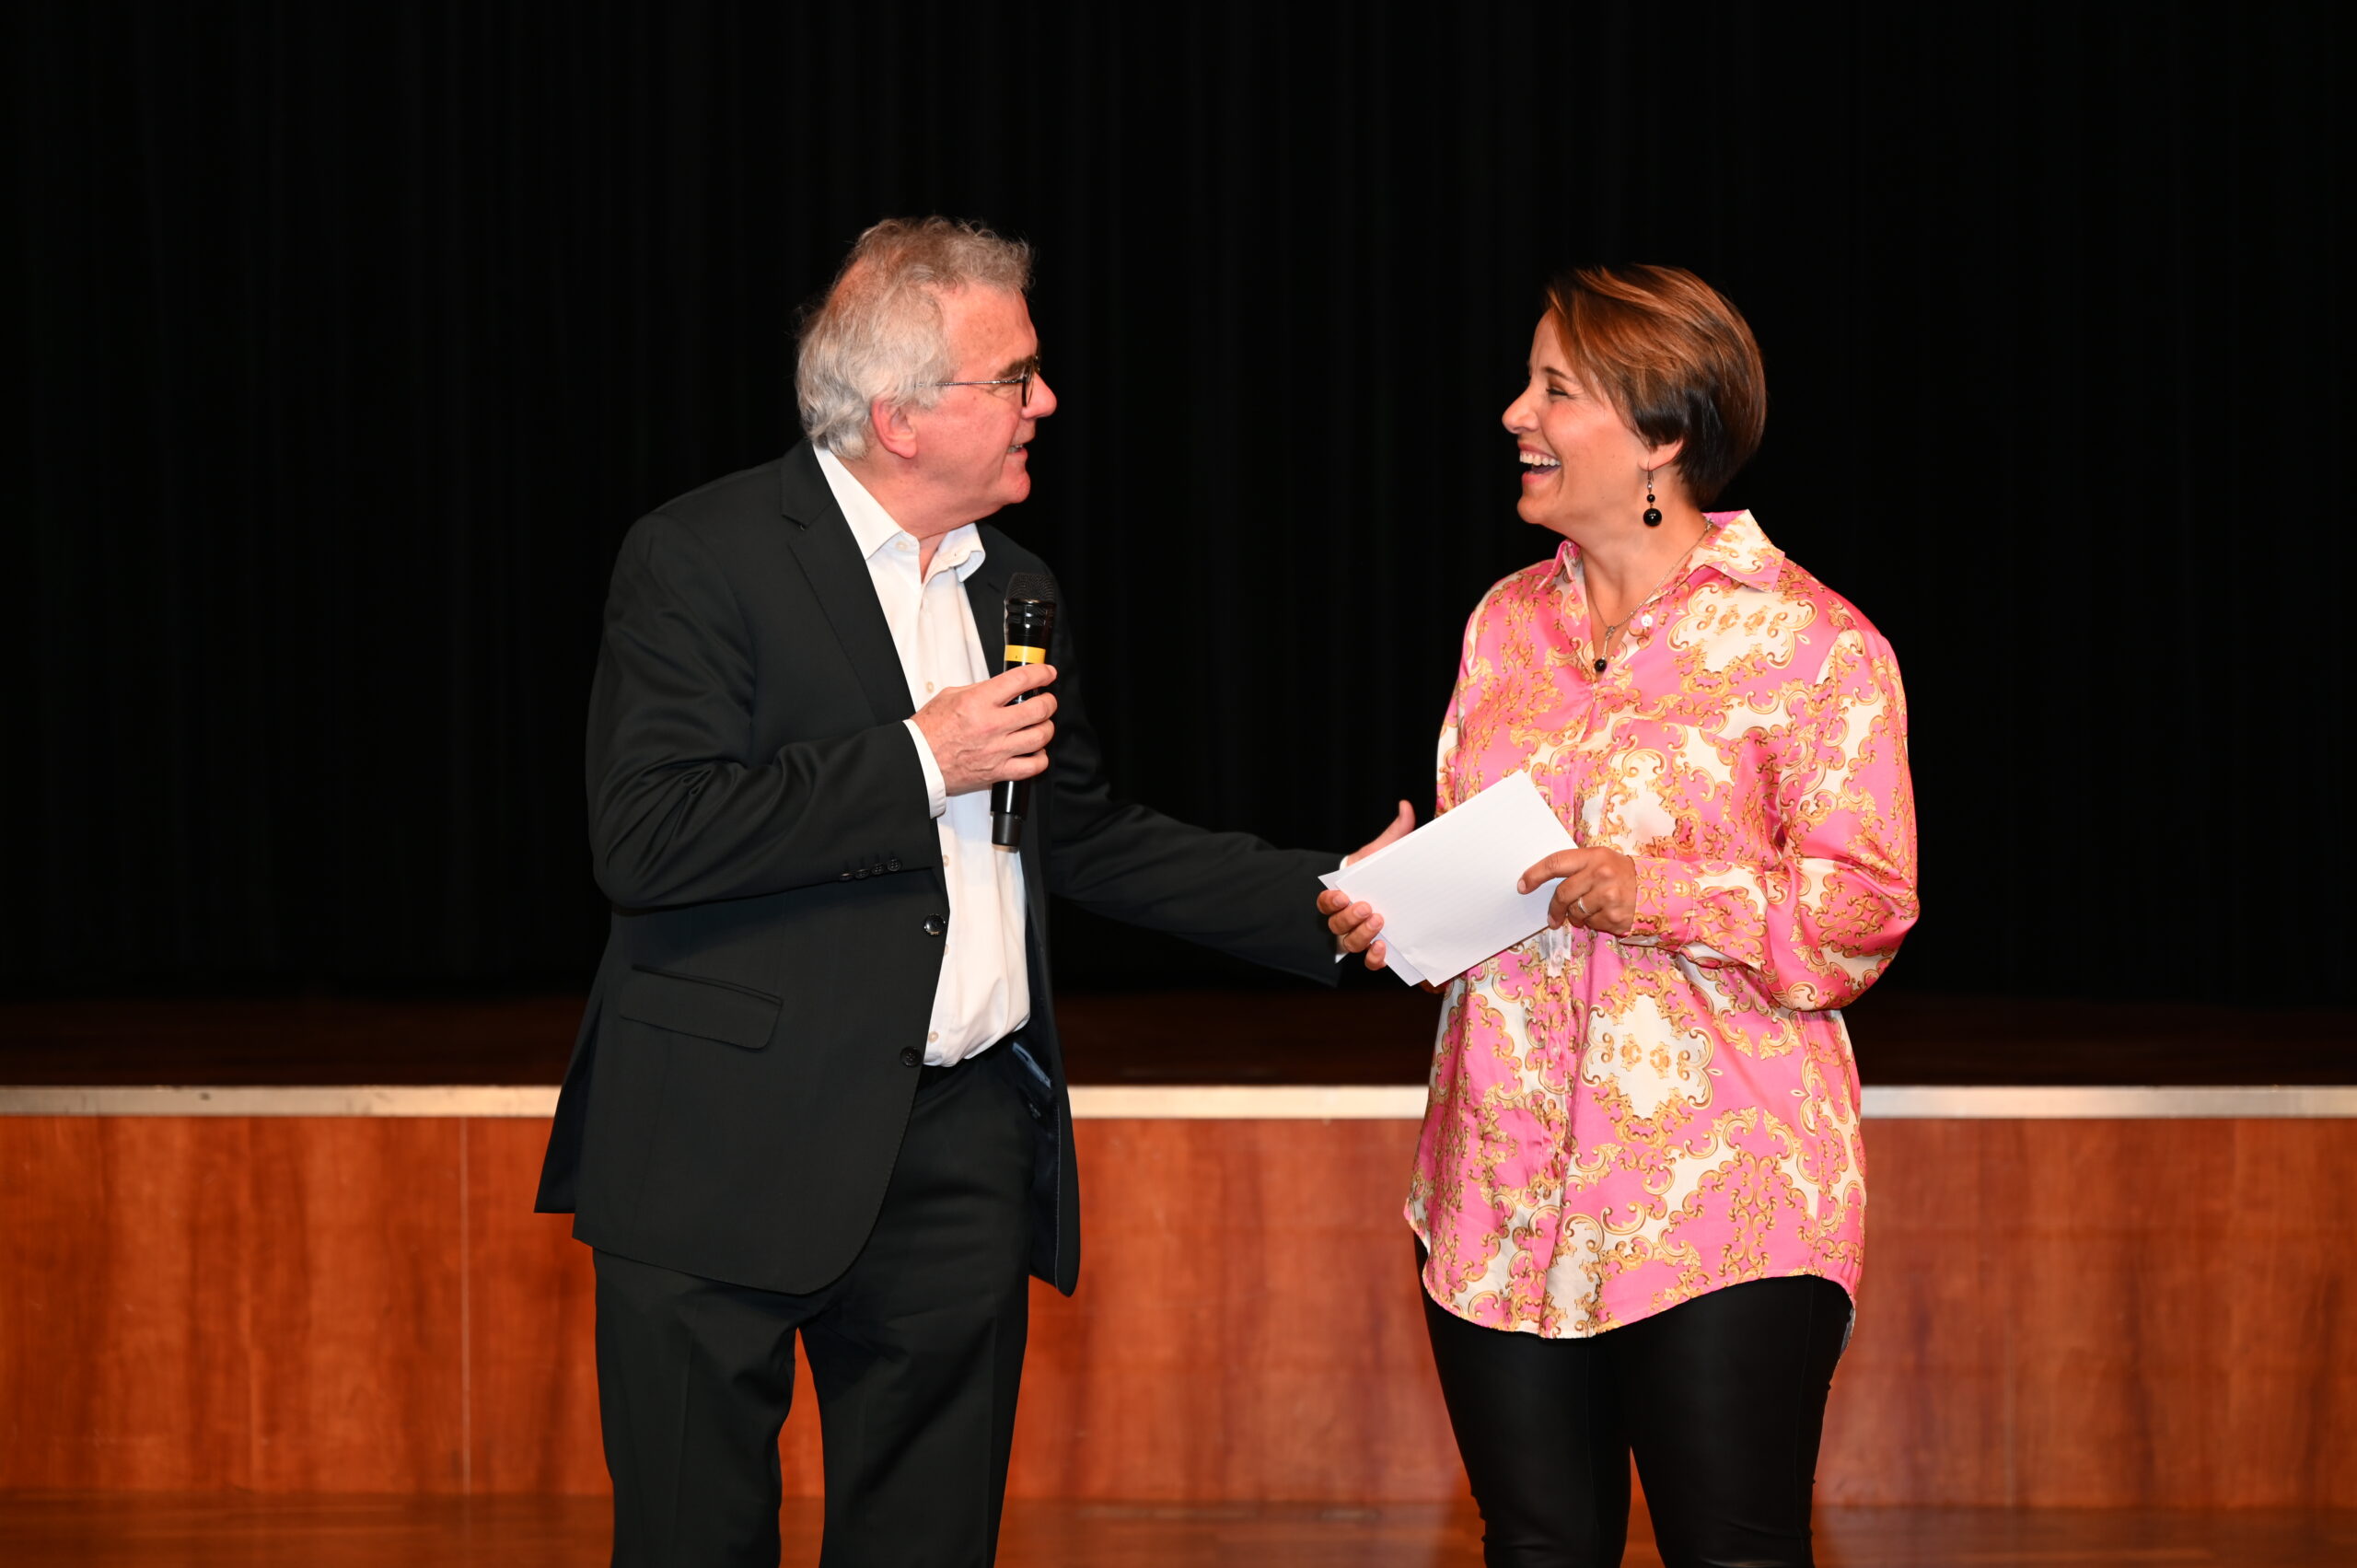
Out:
{"x": 928, "y": 685}
{"x": 935, "y": 926}
{"x": 911, "y": 1057}
{"x": 932, "y": 1036}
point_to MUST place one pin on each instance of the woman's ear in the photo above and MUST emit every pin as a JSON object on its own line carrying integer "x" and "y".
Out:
{"x": 1661, "y": 462}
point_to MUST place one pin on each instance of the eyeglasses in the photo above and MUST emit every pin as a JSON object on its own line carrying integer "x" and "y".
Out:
{"x": 1030, "y": 374}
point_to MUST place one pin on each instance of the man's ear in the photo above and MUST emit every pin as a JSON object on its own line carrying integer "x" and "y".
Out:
{"x": 888, "y": 423}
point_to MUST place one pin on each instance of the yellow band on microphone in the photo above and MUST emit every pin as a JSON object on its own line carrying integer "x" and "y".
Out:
{"x": 1017, "y": 654}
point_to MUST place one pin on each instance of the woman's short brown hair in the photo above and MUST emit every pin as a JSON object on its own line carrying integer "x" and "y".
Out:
{"x": 1675, "y": 357}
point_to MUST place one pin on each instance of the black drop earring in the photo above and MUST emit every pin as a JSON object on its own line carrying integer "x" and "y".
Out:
{"x": 1652, "y": 513}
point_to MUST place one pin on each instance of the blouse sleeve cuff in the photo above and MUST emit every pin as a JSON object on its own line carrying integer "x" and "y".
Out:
{"x": 1665, "y": 903}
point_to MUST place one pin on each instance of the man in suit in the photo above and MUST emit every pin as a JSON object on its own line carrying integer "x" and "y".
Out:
{"x": 818, "y": 1088}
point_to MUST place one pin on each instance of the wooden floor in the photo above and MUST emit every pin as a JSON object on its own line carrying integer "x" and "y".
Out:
{"x": 118, "y": 1530}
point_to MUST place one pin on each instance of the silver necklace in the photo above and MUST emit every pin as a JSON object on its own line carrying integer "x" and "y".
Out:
{"x": 1612, "y": 628}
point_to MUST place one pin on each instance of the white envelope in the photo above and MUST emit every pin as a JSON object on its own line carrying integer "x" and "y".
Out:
{"x": 1446, "y": 891}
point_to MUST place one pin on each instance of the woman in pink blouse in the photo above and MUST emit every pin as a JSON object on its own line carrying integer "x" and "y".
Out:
{"x": 1639, "y": 1196}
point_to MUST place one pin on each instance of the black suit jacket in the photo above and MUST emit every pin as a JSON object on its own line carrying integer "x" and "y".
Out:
{"x": 759, "y": 816}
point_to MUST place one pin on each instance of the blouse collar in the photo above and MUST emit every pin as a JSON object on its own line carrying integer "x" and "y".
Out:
{"x": 1734, "y": 546}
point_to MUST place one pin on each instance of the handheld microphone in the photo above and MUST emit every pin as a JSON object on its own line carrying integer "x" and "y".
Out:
{"x": 1030, "y": 622}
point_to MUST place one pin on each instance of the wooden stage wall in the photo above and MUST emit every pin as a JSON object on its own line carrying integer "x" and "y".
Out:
{"x": 2056, "y": 1313}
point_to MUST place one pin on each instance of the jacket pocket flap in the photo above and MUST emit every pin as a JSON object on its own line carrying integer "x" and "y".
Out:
{"x": 707, "y": 1008}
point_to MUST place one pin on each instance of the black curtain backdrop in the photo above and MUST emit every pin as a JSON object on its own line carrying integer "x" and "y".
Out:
{"x": 357, "y": 336}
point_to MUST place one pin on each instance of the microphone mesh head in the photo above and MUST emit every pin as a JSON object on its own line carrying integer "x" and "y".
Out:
{"x": 1034, "y": 585}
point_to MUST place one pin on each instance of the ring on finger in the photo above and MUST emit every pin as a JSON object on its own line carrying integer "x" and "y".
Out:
{"x": 1582, "y": 904}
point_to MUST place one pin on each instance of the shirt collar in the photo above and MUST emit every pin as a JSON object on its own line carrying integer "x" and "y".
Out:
{"x": 872, "y": 528}
{"x": 1740, "y": 551}
{"x": 1733, "y": 546}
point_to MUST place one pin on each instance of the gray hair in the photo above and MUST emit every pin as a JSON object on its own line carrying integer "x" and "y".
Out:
{"x": 879, "y": 333}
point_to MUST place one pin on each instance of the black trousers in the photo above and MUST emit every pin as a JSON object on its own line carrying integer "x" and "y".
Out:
{"x": 917, "y": 1352}
{"x": 1720, "y": 1399}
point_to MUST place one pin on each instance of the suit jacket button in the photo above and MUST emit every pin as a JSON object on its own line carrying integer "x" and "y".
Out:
{"x": 891, "y": 865}
{"x": 935, "y": 926}
{"x": 910, "y": 1056}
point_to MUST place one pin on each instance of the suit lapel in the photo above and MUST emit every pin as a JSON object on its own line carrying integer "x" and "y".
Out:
{"x": 986, "y": 592}
{"x": 822, "y": 542}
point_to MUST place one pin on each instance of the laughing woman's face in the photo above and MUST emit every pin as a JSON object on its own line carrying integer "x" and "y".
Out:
{"x": 1582, "y": 465}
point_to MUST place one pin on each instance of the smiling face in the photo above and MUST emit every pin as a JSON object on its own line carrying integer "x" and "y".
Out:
{"x": 1583, "y": 466}
{"x": 971, "y": 443}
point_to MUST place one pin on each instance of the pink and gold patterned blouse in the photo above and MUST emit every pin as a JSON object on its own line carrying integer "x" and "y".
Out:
{"x": 1619, "y": 1125}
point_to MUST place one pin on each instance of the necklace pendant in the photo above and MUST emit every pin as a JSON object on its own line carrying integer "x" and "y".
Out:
{"x": 1599, "y": 667}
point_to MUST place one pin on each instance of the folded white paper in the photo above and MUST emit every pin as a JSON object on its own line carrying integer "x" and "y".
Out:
{"x": 1397, "y": 962}
{"x": 1446, "y": 891}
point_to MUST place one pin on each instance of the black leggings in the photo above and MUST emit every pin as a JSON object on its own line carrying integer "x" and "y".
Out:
{"x": 1722, "y": 1399}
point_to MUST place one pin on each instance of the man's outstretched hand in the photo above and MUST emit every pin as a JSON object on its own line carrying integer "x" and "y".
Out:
{"x": 1401, "y": 826}
{"x": 1356, "y": 925}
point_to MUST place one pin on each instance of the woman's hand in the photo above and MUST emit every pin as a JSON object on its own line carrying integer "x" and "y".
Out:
{"x": 1598, "y": 891}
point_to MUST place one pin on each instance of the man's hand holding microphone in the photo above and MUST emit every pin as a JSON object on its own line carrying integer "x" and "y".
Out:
{"x": 981, "y": 735}
{"x": 994, "y": 734}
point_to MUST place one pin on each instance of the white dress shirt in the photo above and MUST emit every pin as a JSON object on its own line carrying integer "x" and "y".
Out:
{"x": 985, "y": 992}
